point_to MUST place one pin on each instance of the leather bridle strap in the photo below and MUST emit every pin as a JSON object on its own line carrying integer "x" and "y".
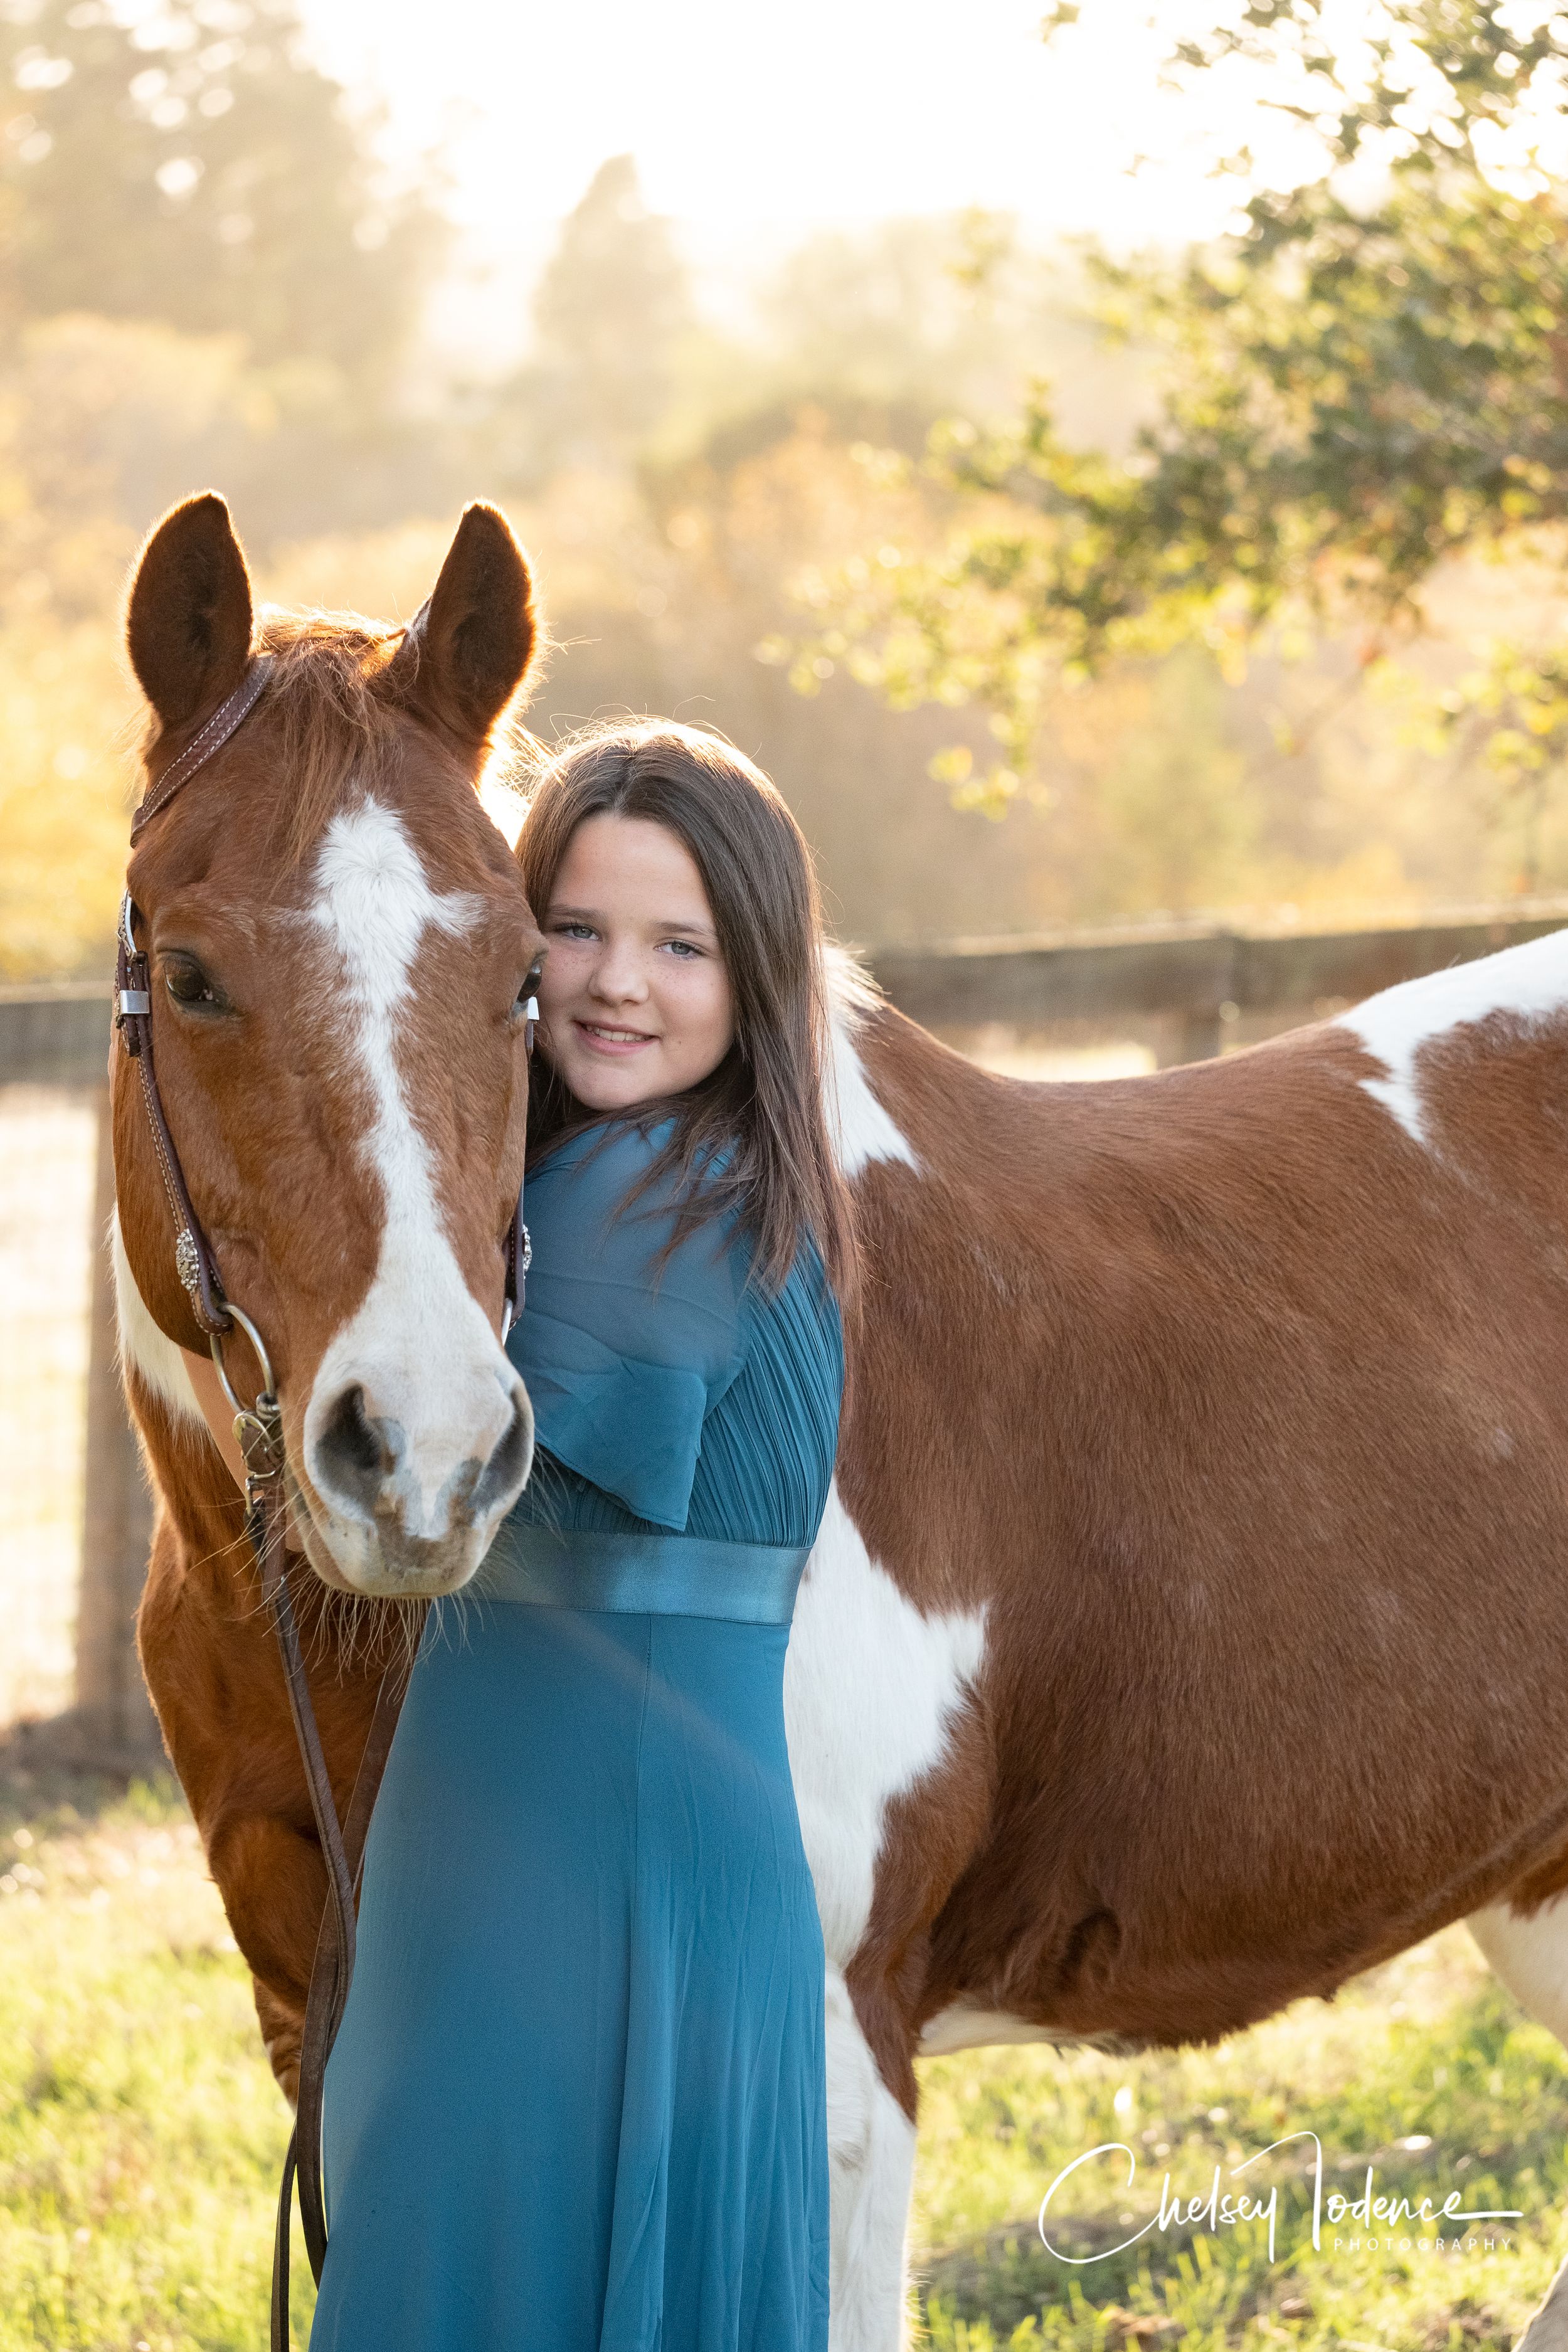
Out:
{"x": 230, "y": 713}
{"x": 194, "y": 1261}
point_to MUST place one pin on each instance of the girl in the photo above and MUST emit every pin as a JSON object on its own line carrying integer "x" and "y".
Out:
{"x": 577, "y": 2103}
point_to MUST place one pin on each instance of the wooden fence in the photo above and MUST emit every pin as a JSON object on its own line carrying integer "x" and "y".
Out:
{"x": 1202, "y": 982}
{"x": 1190, "y": 987}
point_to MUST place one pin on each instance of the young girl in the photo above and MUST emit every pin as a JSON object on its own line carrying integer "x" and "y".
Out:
{"x": 577, "y": 2103}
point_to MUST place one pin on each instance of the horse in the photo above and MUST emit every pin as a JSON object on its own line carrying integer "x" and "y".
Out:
{"x": 1202, "y": 1465}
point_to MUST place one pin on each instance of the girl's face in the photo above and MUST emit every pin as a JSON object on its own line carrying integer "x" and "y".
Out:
{"x": 633, "y": 999}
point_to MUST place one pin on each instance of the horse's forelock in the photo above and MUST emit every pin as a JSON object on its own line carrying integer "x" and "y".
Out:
{"x": 336, "y": 724}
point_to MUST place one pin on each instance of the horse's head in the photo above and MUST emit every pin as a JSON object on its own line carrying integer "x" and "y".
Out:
{"x": 339, "y": 948}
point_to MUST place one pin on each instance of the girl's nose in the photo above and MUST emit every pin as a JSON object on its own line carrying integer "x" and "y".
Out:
{"x": 619, "y": 976}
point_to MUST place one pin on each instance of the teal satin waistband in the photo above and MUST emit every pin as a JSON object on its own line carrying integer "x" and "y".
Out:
{"x": 668, "y": 1576}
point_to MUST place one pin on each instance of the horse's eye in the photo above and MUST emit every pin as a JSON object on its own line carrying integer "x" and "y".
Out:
{"x": 529, "y": 988}
{"x": 187, "y": 983}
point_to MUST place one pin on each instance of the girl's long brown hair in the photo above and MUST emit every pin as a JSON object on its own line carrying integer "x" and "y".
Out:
{"x": 762, "y": 1107}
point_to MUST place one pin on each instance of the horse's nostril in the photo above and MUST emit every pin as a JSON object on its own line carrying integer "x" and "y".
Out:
{"x": 354, "y": 1436}
{"x": 503, "y": 1473}
{"x": 355, "y": 1454}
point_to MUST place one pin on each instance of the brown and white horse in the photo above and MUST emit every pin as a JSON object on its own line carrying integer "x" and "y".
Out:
{"x": 1188, "y": 1630}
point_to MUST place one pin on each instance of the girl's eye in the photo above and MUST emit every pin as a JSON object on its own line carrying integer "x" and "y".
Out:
{"x": 574, "y": 930}
{"x": 682, "y": 948}
{"x": 187, "y": 983}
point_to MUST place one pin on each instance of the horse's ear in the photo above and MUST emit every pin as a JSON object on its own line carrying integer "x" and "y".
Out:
{"x": 469, "y": 647}
{"x": 188, "y": 620}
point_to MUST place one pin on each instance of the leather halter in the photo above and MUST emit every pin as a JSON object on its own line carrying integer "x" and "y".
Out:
{"x": 258, "y": 1429}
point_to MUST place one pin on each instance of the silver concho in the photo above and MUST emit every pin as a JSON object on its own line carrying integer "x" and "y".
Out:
{"x": 187, "y": 1265}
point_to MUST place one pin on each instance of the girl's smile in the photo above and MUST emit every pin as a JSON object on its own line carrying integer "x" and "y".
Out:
{"x": 613, "y": 1041}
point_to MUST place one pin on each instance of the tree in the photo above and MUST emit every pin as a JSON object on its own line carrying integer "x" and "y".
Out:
{"x": 195, "y": 168}
{"x": 610, "y": 314}
{"x": 1368, "y": 381}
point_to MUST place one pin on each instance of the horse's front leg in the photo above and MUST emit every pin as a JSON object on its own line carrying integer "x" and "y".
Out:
{"x": 273, "y": 1882}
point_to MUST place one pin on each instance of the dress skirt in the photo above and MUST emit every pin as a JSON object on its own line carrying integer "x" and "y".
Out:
{"x": 577, "y": 2103}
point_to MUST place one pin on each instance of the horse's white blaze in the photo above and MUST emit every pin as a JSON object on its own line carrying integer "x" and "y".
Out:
{"x": 859, "y": 1126}
{"x": 871, "y": 1691}
{"x": 419, "y": 1345}
{"x": 871, "y": 2163}
{"x": 1529, "y": 981}
{"x": 158, "y": 1363}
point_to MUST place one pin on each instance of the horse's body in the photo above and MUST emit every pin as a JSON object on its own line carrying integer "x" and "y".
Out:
{"x": 1189, "y": 1630}
{"x": 1189, "y": 1626}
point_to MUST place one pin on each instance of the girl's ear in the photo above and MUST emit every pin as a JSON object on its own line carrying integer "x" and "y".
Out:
{"x": 188, "y": 618}
{"x": 468, "y": 648}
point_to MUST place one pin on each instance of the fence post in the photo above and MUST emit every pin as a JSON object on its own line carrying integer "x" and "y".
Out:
{"x": 1193, "y": 1036}
{"x": 114, "y": 1714}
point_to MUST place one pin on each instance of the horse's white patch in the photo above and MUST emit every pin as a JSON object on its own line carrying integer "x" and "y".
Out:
{"x": 871, "y": 2164}
{"x": 1530, "y": 980}
{"x": 160, "y": 1363}
{"x": 861, "y": 1130}
{"x": 1530, "y": 1957}
{"x": 871, "y": 1691}
{"x": 419, "y": 1345}
{"x": 959, "y": 2027}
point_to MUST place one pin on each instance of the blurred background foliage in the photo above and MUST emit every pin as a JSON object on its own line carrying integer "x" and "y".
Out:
{"x": 1360, "y": 401}
{"x": 1231, "y": 580}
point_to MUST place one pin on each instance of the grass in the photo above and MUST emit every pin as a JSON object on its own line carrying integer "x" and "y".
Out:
{"x": 140, "y": 2136}
{"x": 1424, "y": 2069}
{"x": 140, "y": 2133}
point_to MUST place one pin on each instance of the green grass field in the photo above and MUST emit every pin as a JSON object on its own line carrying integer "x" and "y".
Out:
{"x": 140, "y": 2135}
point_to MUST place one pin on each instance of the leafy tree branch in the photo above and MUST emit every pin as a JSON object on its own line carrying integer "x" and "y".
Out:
{"x": 1367, "y": 383}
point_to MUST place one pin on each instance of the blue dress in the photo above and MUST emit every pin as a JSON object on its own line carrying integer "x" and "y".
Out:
{"x": 577, "y": 2103}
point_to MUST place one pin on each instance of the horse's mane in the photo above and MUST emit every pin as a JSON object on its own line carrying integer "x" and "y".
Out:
{"x": 327, "y": 667}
